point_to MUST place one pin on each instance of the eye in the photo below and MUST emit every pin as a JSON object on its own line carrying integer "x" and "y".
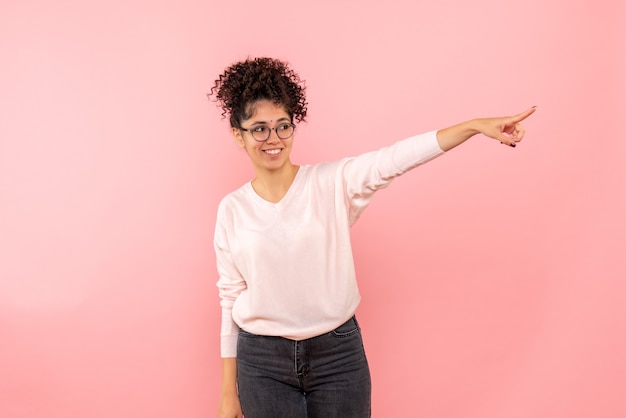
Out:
{"x": 284, "y": 127}
{"x": 260, "y": 129}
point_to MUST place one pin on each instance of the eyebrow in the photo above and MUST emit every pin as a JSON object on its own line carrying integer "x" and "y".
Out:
{"x": 262, "y": 122}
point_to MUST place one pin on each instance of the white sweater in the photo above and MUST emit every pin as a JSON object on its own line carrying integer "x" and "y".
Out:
{"x": 286, "y": 268}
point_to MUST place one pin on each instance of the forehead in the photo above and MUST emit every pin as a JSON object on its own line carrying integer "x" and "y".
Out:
{"x": 264, "y": 110}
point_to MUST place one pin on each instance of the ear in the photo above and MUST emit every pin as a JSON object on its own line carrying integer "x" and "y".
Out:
{"x": 237, "y": 137}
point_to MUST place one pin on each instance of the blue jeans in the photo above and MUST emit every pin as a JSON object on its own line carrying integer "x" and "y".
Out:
{"x": 325, "y": 376}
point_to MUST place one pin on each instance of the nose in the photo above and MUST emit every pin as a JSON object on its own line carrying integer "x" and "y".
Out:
{"x": 273, "y": 136}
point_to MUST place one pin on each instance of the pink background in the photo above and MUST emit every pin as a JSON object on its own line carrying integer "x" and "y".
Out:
{"x": 492, "y": 278}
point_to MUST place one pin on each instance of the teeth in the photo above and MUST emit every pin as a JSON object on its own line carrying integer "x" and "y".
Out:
{"x": 272, "y": 151}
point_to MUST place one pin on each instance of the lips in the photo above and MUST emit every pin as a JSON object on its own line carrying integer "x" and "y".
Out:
{"x": 275, "y": 151}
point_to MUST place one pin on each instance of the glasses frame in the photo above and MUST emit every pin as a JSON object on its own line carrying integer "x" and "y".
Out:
{"x": 269, "y": 132}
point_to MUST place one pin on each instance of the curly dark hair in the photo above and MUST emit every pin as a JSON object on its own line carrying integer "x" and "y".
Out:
{"x": 246, "y": 82}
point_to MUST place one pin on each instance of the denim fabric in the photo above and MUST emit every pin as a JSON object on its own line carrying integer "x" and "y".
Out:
{"x": 321, "y": 377}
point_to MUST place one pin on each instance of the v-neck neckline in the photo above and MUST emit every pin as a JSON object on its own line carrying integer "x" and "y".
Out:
{"x": 290, "y": 191}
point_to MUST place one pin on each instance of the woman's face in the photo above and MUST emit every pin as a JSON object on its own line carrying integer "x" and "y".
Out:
{"x": 272, "y": 154}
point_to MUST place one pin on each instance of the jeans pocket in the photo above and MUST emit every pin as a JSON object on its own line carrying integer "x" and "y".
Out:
{"x": 351, "y": 327}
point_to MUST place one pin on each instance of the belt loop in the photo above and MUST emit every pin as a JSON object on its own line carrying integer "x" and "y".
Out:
{"x": 356, "y": 322}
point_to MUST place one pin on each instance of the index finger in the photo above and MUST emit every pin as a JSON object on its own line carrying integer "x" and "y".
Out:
{"x": 520, "y": 117}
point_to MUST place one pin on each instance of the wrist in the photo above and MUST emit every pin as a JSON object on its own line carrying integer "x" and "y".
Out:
{"x": 474, "y": 127}
{"x": 229, "y": 390}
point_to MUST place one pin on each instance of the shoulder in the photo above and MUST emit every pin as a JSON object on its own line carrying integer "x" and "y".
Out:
{"x": 325, "y": 169}
{"x": 235, "y": 199}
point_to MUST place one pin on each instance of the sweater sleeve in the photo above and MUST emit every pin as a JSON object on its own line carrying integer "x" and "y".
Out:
{"x": 230, "y": 284}
{"x": 365, "y": 174}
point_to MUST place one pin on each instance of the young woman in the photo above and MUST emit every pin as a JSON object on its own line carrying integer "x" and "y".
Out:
{"x": 290, "y": 344}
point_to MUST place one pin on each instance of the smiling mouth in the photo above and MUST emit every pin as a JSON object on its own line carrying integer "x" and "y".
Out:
{"x": 272, "y": 151}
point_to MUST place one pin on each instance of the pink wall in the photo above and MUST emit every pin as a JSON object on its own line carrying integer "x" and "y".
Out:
{"x": 493, "y": 278}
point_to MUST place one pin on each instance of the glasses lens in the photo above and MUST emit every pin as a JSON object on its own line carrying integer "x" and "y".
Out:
{"x": 284, "y": 131}
{"x": 261, "y": 133}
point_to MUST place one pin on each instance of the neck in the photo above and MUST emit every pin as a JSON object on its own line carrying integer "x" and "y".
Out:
{"x": 273, "y": 185}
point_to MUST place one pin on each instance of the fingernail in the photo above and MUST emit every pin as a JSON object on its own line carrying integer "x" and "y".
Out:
{"x": 512, "y": 144}
{"x": 535, "y": 107}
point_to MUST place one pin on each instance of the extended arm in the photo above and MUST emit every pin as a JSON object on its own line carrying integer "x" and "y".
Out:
{"x": 507, "y": 130}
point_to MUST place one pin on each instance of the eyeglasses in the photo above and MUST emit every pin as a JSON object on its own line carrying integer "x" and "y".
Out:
{"x": 262, "y": 133}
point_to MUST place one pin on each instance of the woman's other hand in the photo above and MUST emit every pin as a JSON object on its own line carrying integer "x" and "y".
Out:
{"x": 230, "y": 407}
